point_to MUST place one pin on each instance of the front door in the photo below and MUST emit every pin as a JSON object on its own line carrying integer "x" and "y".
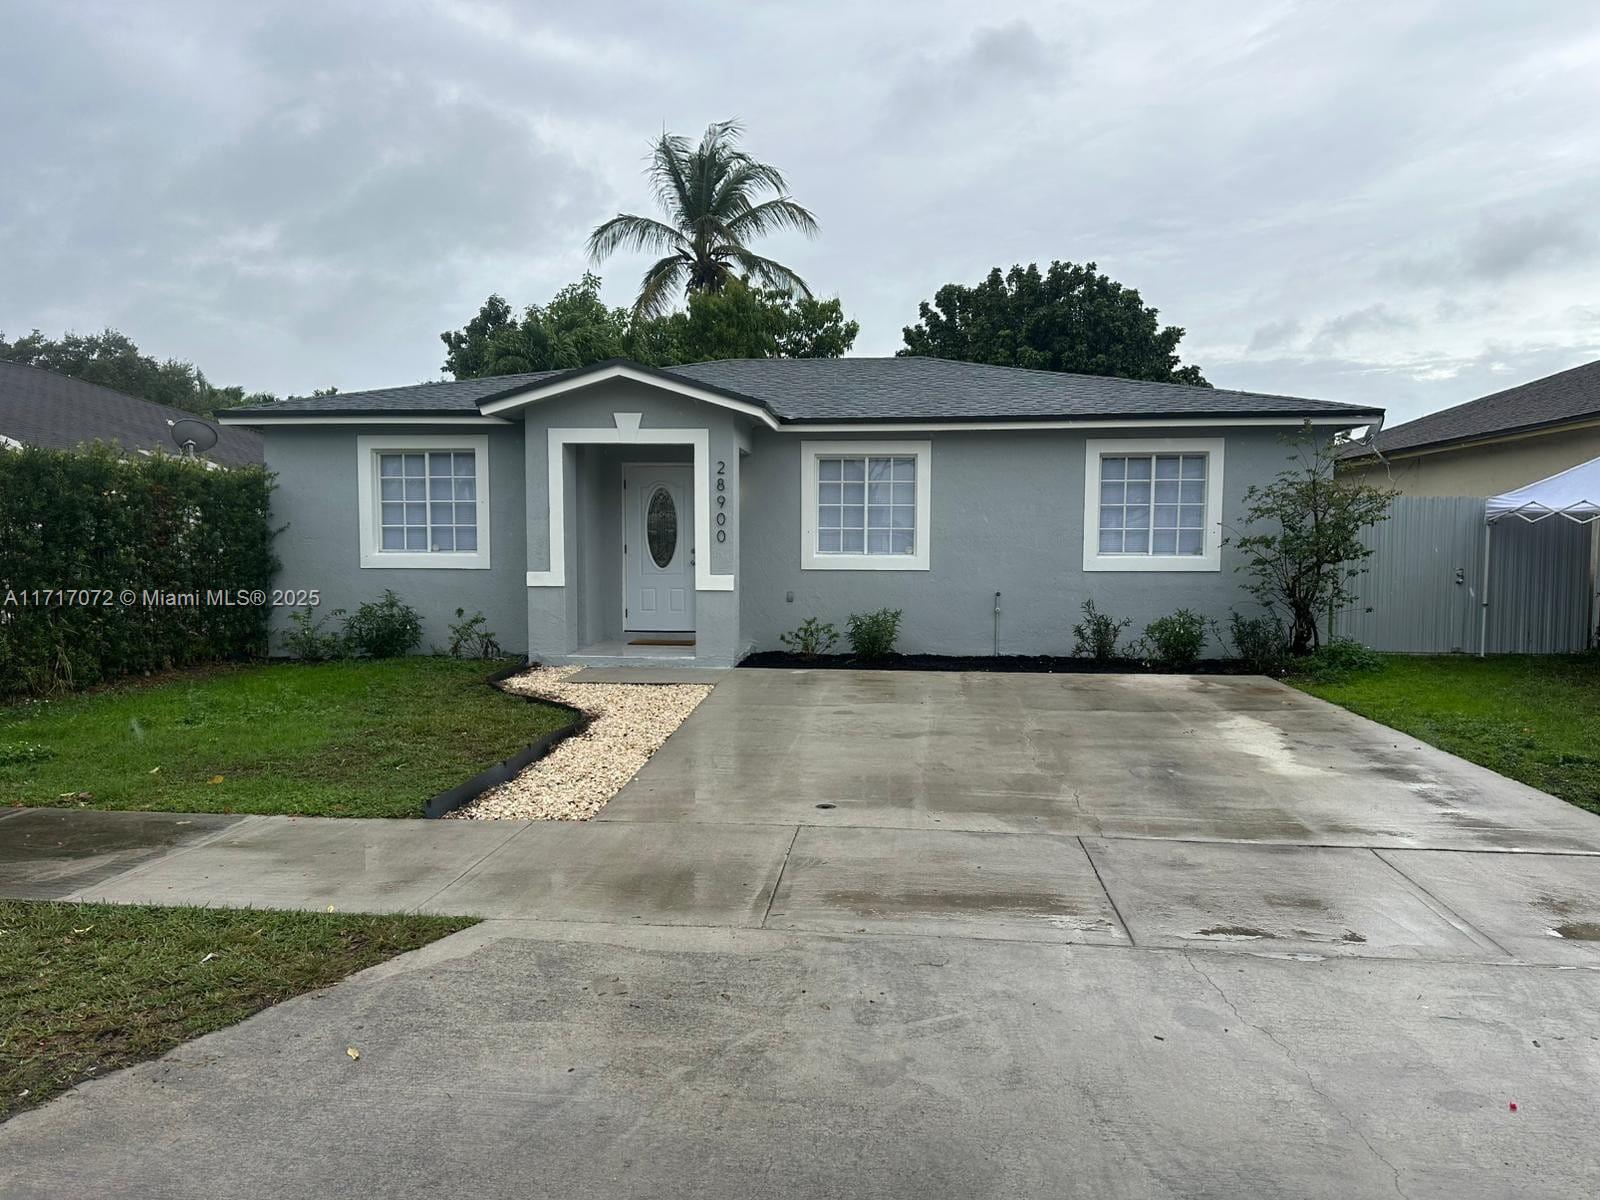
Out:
{"x": 657, "y": 549}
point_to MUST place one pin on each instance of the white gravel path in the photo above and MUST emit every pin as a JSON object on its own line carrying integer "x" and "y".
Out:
{"x": 627, "y": 724}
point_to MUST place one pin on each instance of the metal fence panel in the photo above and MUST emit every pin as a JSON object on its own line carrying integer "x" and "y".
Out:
{"x": 1420, "y": 590}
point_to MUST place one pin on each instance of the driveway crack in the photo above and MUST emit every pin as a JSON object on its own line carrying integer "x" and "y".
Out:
{"x": 1293, "y": 1061}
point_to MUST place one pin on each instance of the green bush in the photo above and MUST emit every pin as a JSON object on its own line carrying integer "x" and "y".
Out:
{"x": 813, "y": 638}
{"x": 306, "y": 639}
{"x": 1096, "y": 635}
{"x": 1337, "y": 660}
{"x": 149, "y": 526}
{"x": 383, "y": 628}
{"x": 873, "y": 634}
{"x": 470, "y": 638}
{"x": 1175, "y": 642}
{"x": 1259, "y": 642}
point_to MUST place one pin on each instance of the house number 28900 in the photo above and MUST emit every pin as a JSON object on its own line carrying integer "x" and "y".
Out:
{"x": 722, "y": 500}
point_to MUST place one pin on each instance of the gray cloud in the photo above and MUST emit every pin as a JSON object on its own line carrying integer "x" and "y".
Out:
{"x": 294, "y": 196}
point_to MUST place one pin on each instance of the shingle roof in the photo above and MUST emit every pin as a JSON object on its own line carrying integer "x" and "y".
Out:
{"x": 46, "y": 408}
{"x": 1554, "y": 400}
{"x": 871, "y": 389}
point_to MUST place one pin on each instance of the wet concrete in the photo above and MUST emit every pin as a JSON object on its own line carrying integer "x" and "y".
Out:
{"x": 1210, "y": 758}
{"x": 49, "y": 854}
{"x": 989, "y": 885}
{"x": 1541, "y": 907}
{"x": 1279, "y": 900}
{"x": 531, "y": 1059}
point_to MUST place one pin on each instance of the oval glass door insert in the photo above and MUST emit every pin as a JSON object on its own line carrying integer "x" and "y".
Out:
{"x": 661, "y": 527}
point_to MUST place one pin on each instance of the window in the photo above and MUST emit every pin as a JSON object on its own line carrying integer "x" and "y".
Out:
{"x": 865, "y": 506}
{"x": 1153, "y": 505}
{"x": 424, "y": 501}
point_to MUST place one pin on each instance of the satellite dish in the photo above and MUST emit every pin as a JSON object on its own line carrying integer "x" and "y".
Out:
{"x": 193, "y": 436}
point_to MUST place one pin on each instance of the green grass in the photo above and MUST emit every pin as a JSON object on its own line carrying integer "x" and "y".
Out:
{"x": 88, "y": 988}
{"x": 1534, "y": 719}
{"x": 347, "y": 739}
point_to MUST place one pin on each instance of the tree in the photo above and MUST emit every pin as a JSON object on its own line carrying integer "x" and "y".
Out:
{"x": 712, "y": 197}
{"x": 1308, "y": 546}
{"x": 112, "y": 360}
{"x": 573, "y": 330}
{"x": 576, "y": 329}
{"x": 1071, "y": 318}
{"x": 752, "y": 322}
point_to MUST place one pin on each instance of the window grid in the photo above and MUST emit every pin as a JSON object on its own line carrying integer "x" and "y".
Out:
{"x": 867, "y": 504}
{"x": 428, "y": 501}
{"x": 1153, "y": 504}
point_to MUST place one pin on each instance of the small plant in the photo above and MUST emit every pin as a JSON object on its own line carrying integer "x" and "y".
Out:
{"x": 1337, "y": 660}
{"x": 469, "y": 638}
{"x": 873, "y": 634}
{"x": 383, "y": 628}
{"x": 1259, "y": 642}
{"x": 1096, "y": 635}
{"x": 1175, "y": 642}
{"x": 306, "y": 639}
{"x": 813, "y": 638}
{"x": 14, "y": 753}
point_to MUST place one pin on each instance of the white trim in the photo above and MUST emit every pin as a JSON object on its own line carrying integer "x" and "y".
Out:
{"x": 546, "y": 391}
{"x": 368, "y": 447}
{"x": 627, "y": 430}
{"x": 397, "y": 419}
{"x": 1115, "y": 423}
{"x": 811, "y": 560}
{"x": 1097, "y": 448}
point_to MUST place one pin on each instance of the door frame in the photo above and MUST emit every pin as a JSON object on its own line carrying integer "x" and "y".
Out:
{"x": 685, "y": 530}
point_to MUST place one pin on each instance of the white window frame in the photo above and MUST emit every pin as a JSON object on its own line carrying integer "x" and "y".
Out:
{"x": 811, "y": 559}
{"x": 1096, "y": 449}
{"x": 368, "y": 447}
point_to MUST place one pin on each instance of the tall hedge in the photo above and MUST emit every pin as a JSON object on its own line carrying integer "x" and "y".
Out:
{"x": 127, "y": 526}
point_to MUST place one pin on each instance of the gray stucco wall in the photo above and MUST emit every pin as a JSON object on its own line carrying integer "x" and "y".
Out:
{"x": 316, "y": 499}
{"x": 1007, "y": 515}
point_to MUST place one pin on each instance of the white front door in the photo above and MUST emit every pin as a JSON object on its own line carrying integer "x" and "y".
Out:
{"x": 657, "y": 548}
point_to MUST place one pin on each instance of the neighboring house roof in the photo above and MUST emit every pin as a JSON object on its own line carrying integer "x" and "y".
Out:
{"x": 46, "y": 408}
{"x": 806, "y": 390}
{"x": 1550, "y": 402}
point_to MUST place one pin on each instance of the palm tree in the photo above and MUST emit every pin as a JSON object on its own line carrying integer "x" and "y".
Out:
{"x": 710, "y": 194}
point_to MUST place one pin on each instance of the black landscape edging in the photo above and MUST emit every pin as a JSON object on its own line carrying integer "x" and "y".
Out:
{"x": 1048, "y": 664}
{"x": 507, "y": 770}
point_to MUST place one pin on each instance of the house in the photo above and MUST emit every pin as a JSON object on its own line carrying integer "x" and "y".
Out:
{"x": 1492, "y": 444}
{"x": 46, "y": 408}
{"x": 620, "y": 512}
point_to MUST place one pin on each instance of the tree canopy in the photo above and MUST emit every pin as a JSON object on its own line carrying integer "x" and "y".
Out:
{"x": 1070, "y": 318}
{"x": 112, "y": 360}
{"x": 576, "y": 329}
{"x": 717, "y": 199}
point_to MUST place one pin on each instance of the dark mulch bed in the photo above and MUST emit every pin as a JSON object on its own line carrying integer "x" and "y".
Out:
{"x": 1048, "y": 664}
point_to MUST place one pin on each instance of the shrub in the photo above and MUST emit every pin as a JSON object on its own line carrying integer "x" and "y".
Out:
{"x": 1096, "y": 635}
{"x": 1175, "y": 642}
{"x": 383, "y": 628}
{"x": 469, "y": 635}
{"x": 306, "y": 640}
{"x": 94, "y": 519}
{"x": 814, "y": 637}
{"x": 1259, "y": 642}
{"x": 873, "y": 634}
{"x": 1337, "y": 660}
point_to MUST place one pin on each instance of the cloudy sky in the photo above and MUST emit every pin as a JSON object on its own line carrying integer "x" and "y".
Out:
{"x": 1390, "y": 203}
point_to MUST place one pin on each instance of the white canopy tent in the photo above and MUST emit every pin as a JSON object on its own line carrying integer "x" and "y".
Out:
{"x": 1573, "y": 495}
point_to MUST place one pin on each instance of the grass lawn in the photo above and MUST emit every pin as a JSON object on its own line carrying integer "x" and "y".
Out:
{"x": 346, "y": 739}
{"x": 1534, "y": 719}
{"x": 88, "y": 988}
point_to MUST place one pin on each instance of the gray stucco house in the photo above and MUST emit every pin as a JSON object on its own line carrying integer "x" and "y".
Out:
{"x": 619, "y": 512}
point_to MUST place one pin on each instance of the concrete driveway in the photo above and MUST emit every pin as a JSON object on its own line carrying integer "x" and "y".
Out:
{"x": 876, "y": 934}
